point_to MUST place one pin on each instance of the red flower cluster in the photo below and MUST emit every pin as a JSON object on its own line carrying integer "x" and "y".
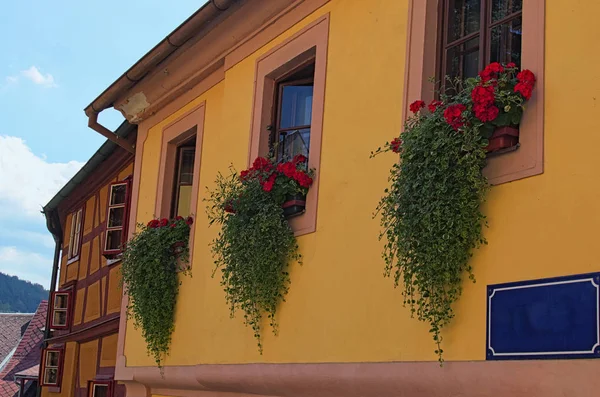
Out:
{"x": 526, "y": 82}
{"x": 483, "y": 103}
{"x": 164, "y": 222}
{"x": 491, "y": 71}
{"x": 453, "y": 115}
{"x": 434, "y": 105}
{"x": 416, "y": 106}
{"x": 266, "y": 172}
{"x": 396, "y": 145}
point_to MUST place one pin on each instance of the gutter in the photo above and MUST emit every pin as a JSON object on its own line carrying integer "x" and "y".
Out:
{"x": 184, "y": 32}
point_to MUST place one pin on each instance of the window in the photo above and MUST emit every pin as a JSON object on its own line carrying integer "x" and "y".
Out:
{"x": 61, "y": 309}
{"x": 294, "y": 96}
{"x": 75, "y": 237}
{"x": 51, "y": 367}
{"x": 100, "y": 388}
{"x": 477, "y": 32}
{"x": 184, "y": 179}
{"x": 117, "y": 217}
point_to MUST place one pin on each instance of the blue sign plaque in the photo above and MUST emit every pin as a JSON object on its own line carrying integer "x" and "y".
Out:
{"x": 543, "y": 319}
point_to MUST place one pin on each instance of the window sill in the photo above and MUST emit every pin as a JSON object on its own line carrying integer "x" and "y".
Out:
{"x": 72, "y": 260}
{"x": 114, "y": 260}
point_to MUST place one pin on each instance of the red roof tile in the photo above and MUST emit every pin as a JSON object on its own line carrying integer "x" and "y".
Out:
{"x": 27, "y": 355}
{"x": 11, "y": 331}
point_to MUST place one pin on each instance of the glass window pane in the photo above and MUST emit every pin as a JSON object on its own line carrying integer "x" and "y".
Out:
{"x": 506, "y": 42}
{"x": 117, "y": 194}
{"x": 100, "y": 391}
{"x": 296, "y": 105}
{"x": 503, "y": 8}
{"x": 292, "y": 143}
{"x": 51, "y": 376}
{"x": 52, "y": 359}
{"x": 463, "y": 18}
{"x": 115, "y": 216}
{"x": 60, "y": 301}
{"x": 113, "y": 239}
{"x": 463, "y": 60}
{"x": 60, "y": 318}
{"x": 184, "y": 200}
{"x": 186, "y": 175}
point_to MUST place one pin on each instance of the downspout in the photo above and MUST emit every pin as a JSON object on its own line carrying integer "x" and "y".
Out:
{"x": 93, "y": 124}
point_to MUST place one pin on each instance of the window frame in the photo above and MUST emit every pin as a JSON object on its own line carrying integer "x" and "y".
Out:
{"x": 68, "y": 309}
{"x": 124, "y": 226}
{"x": 59, "y": 367}
{"x": 309, "y": 43}
{"x": 177, "y": 177}
{"x": 75, "y": 235}
{"x": 100, "y": 382}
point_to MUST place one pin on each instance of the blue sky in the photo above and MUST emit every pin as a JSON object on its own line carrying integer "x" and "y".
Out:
{"x": 56, "y": 57}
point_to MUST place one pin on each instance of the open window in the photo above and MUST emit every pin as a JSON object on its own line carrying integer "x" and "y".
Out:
{"x": 184, "y": 178}
{"x": 52, "y": 361}
{"x": 100, "y": 388}
{"x": 75, "y": 236}
{"x": 117, "y": 218}
{"x": 61, "y": 309}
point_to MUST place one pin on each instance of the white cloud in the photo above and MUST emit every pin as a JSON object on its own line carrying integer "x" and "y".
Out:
{"x": 12, "y": 79}
{"x": 27, "y": 182}
{"x": 37, "y": 77}
{"x": 29, "y": 266}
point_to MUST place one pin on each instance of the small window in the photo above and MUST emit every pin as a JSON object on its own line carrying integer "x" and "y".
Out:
{"x": 294, "y": 98}
{"x": 61, "y": 309}
{"x": 51, "y": 367}
{"x": 477, "y": 32}
{"x": 184, "y": 179}
{"x": 97, "y": 388}
{"x": 75, "y": 237}
{"x": 116, "y": 219}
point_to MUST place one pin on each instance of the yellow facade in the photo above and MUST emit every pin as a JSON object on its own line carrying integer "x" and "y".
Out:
{"x": 340, "y": 308}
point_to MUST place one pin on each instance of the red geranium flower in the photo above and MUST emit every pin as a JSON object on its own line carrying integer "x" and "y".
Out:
{"x": 288, "y": 169}
{"x": 229, "y": 208}
{"x": 303, "y": 179}
{"x": 299, "y": 159}
{"x": 173, "y": 224}
{"x": 268, "y": 185}
{"x": 244, "y": 175}
{"x": 179, "y": 218}
{"x": 153, "y": 223}
{"x": 491, "y": 71}
{"x": 434, "y": 105}
{"x": 511, "y": 65}
{"x": 453, "y": 115}
{"x": 483, "y": 95}
{"x": 486, "y": 113}
{"x": 526, "y": 82}
{"x": 416, "y": 106}
{"x": 262, "y": 164}
{"x": 396, "y": 145}
{"x": 164, "y": 222}
{"x": 189, "y": 220}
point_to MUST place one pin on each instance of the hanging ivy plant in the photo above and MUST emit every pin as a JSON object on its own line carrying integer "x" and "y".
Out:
{"x": 256, "y": 244}
{"x": 151, "y": 262}
{"x": 430, "y": 214}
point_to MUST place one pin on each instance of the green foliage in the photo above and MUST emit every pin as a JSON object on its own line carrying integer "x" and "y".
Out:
{"x": 151, "y": 261}
{"x": 253, "y": 249}
{"x": 19, "y": 296}
{"x": 430, "y": 215}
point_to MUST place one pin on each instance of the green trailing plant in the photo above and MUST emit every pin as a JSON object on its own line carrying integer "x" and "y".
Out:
{"x": 430, "y": 214}
{"x": 256, "y": 244}
{"x": 151, "y": 262}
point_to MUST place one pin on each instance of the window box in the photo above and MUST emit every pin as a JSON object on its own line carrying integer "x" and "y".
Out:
{"x": 505, "y": 137}
{"x": 294, "y": 206}
{"x": 52, "y": 362}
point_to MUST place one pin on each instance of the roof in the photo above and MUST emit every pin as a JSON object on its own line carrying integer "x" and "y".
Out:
{"x": 12, "y": 327}
{"x": 27, "y": 354}
{"x": 98, "y": 158}
{"x": 32, "y": 372}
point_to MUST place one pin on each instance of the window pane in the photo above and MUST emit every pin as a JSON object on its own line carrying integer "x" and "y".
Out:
{"x": 100, "y": 391}
{"x": 292, "y": 143}
{"x": 117, "y": 194}
{"x": 186, "y": 175}
{"x": 51, "y": 376}
{"x": 60, "y": 318}
{"x": 296, "y": 105}
{"x": 52, "y": 359}
{"x": 506, "y": 42}
{"x": 113, "y": 239}
{"x": 60, "y": 301}
{"x": 463, "y": 18}
{"x": 184, "y": 199}
{"x": 115, "y": 216}
{"x": 503, "y": 8}
{"x": 463, "y": 60}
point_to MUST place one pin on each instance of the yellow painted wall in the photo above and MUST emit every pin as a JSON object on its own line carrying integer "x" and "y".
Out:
{"x": 92, "y": 303}
{"x": 340, "y": 308}
{"x": 115, "y": 291}
{"x": 67, "y": 387}
{"x": 108, "y": 355}
{"x": 88, "y": 359}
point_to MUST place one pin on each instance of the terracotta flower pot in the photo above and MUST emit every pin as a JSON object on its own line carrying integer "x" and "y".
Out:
{"x": 503, "y": 138}
{"x": 294, "y": 205}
